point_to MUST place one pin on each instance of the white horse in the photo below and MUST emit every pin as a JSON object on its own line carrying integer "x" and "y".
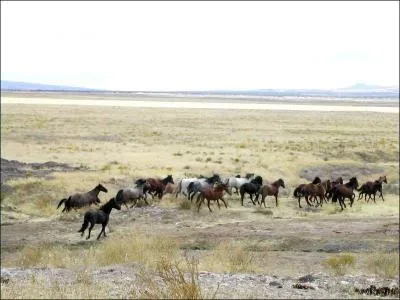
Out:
{"x": 237, "y": 182}
{"x": 183, "y": 185}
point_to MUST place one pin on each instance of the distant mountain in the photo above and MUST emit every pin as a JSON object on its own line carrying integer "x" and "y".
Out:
{"x": 358, "y": 87}
{"x": 28, "y": 86}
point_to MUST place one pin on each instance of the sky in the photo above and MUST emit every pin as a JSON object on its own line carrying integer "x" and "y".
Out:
{"x": 201, "y": 45}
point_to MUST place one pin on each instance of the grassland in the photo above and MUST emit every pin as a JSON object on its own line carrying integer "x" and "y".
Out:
{"x": 116, "y": 145}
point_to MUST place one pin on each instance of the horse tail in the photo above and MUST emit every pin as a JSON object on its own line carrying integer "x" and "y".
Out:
{"x": 296, "y": 192}
{"x": 61, "y": 202}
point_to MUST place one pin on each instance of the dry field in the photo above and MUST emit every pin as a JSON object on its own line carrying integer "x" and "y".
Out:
{"x": 168, "y": 249}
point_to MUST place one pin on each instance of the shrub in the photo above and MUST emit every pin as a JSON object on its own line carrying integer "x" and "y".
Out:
{"x": 339, "y": 264}
{"x": 386, "y": 264}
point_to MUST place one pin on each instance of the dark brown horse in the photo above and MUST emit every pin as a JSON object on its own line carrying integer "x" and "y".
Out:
{"x": 342, "y": 191}
{"x": 251, "y": 188}
{"x": 271, "y": 189}
{"x": 157, "y": 185}
{"x": 313, "y": 190}
{"x": 329, "y": 184}
{"x": 297, "y": 193}
{"x": 99, "y": 216}
{"x": 213, "y": 193}
{"x": 79, "y": 200}
{"x": 370, "y": 188}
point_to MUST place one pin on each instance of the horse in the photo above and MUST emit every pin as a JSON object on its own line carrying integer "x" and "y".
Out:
{"x": 313, "y": 190}
{"x": 158, "y": 185}
{"x": 271, "y": 189}
{"x": 170, "y": 188}
{"x": 328, "y": 185}
{"x": 297, "y": 193}
{"x": 211, "y": 193}
{"x": 251, "y": 188}
{"x": 79, "y": 200}
{"x": 132, "y": 195}
{"x": 99, "y": 216}
{"x": 183, "y": 185}
{"x": 370, "y": 188}
{"x": 237, "y": 181}
{"x": 343, "y": 191}
{"x": 197, "y": 186}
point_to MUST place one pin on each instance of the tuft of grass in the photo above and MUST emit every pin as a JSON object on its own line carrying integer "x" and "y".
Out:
{"x": 185, "y": 204}
{"x": 340, "y": 264}
{"x": 386, "y": 264}
{"x": 179, "y": 280}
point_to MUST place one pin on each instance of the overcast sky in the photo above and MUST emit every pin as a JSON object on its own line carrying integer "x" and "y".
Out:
{"x": 201, "y": 45}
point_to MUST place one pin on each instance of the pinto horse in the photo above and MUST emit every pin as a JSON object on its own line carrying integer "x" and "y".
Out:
{"x": 79, "y": 200}
{"x": 271, "y": 189}
{"x": 158, "y": 185}
{"x": 343, "y": 191}
{"x": 99, "y": 216}
{"x": 131, "y": 195}
{"x": 211, "y": 193}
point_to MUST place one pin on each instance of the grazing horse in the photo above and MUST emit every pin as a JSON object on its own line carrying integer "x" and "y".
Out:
{"x": 328, "y": 185}
{"x": 131, "y": 195}
{"x": 79, "y": 200}
{"x": 343, "y": 191}
{"x": 237, "y": 181}
{"x": 158, "y": 185}
{"x": 370, "y": 188}
{"x": 251, "y": 188}
{"x": 297, "y": 193}
{"x": 99, "y": 216}
{"x": 211, "y": 193}
{"x": 195, "y": 187}
{"x": 271, "y": 189}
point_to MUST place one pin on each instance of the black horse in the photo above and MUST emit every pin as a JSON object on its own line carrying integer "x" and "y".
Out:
{"x": 79, "y": 200}
{"x": 99, "y": 216}
{"x": 197, "y": 186}
{"x": 251, "y": 188}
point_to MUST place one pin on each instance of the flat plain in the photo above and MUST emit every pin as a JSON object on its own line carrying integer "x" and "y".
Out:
{"x": 236, "y": 252}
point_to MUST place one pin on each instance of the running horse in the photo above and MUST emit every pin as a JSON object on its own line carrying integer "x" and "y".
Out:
{"x": 271, "y": 189}
{"x": 211, "y": 193}
{"x": 158, "y": 185}
{"x": 79, "y": 200}
{"x": 342, "y": 191}
{"x": 370, "y": 188}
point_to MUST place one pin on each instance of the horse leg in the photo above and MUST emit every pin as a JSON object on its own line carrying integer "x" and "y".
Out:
{"x": 103, "y": 229}
{"x": 200, "y": 200}
{"x": 263, "y": 200}
{"x": 381, "y": 195}
{"x": 308, "y": 202}
{"x": 276, "y": 200}
{"x": 224, "y": 202}
{"x": 241, "y": 197}
{"x": 84, "y": 226}
{"x": 299, "y": 202}
{"x": 208, "y": 204}
{"x": 90, "y": 229}
{"x": 251, "y": 198}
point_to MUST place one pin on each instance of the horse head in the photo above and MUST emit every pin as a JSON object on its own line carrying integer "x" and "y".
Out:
{"x": 249, "y": 175}
{"x": 101, "y": 188}
{"x": 316, "y": 180}
{"x": 382, "y": 179}
{"x": 281, "y": 182}
{"x": 168, "y": 179}
{"x": 115, "y": 203}
{"x": 140, "y": 182}
{"x": 353, "y": 182}
{"x": 257, "y": 180}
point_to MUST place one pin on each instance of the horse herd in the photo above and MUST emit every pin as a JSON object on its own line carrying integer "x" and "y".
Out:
{"x": 213, "y": 189}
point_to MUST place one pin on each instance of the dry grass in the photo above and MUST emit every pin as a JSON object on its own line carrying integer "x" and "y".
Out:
{"x": 339, "y": 264}
{"x": 123, "y": 144}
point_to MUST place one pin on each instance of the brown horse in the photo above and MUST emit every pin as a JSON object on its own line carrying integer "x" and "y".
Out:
{"x": 313, "y": 190}
{"x": 328, "y": 185}
{"x": 342, "y": 191}
{"x": 271, "y": 189}
{"x": 215, "y": 194}
{"x": 297, "y": 193}
{"x": 170, "y": 188}
{"x": 370, "y": 188}
{"x": 79, "y": 200}
{"x": 158, "y": 185}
